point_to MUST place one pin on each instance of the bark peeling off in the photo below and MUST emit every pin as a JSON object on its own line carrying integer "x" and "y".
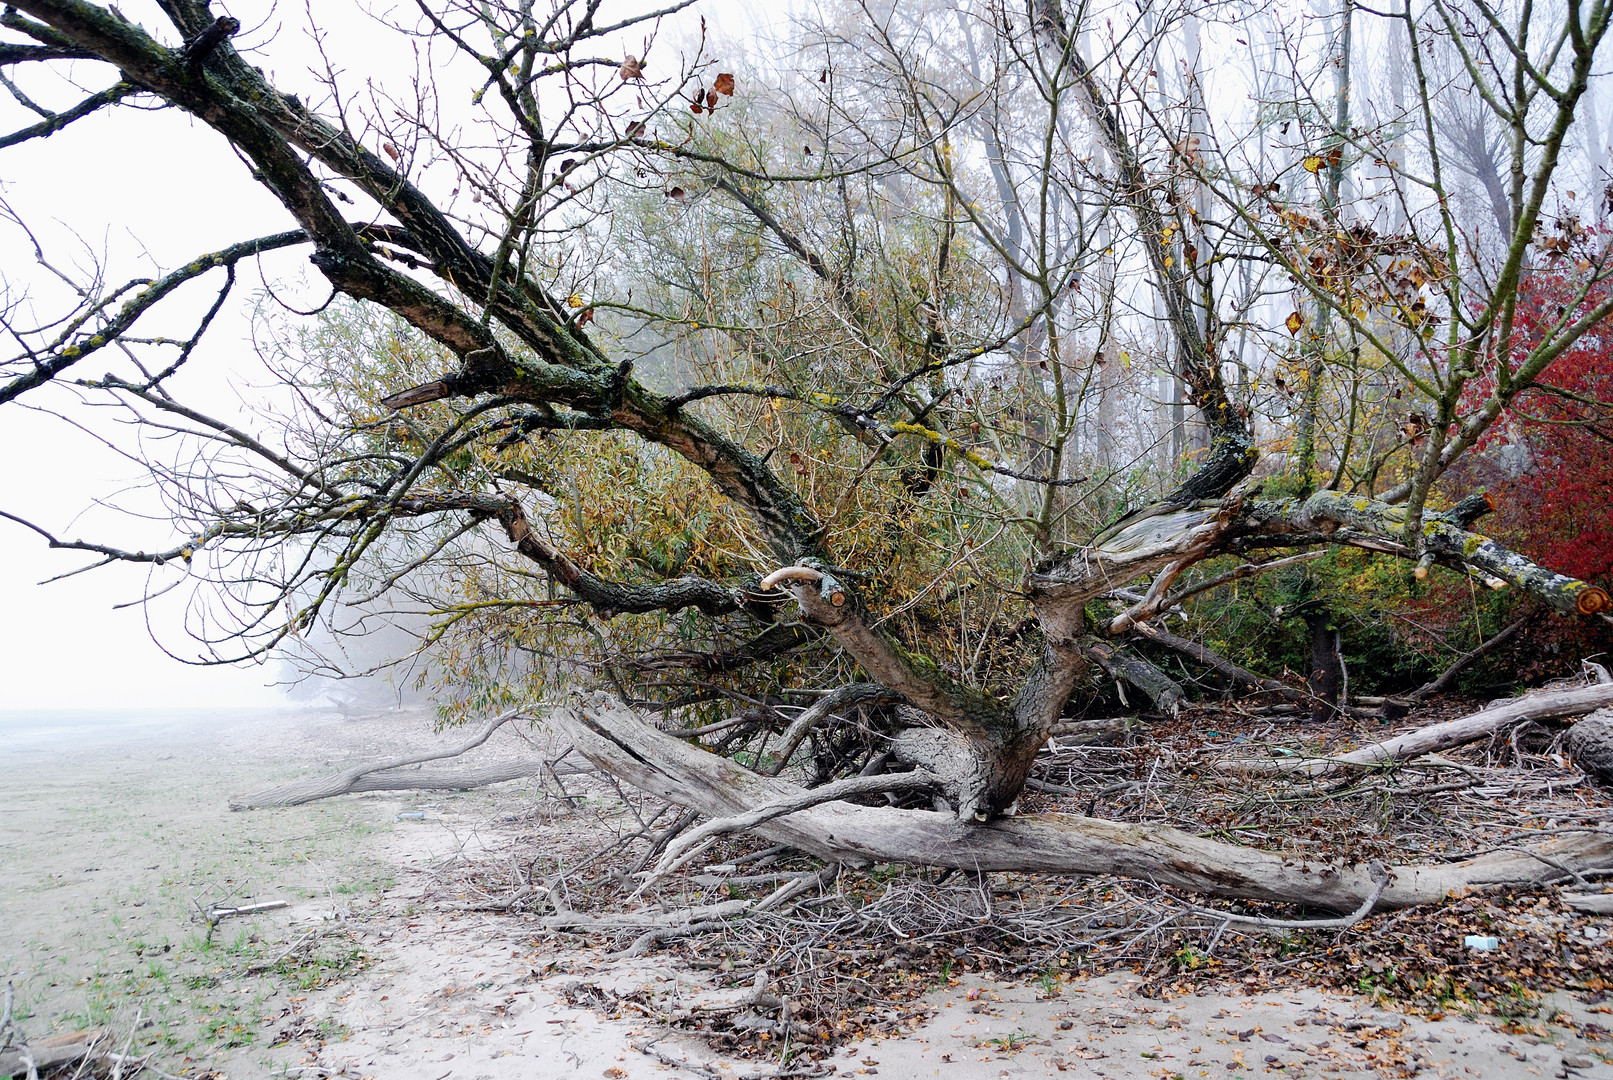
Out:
{"x": 614, "y": 738}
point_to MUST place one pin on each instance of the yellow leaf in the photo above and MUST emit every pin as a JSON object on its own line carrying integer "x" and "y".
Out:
{"x": 1294, "y": 321}
{"x": 574, "y": 300}
{"x": 1313, "y": 164}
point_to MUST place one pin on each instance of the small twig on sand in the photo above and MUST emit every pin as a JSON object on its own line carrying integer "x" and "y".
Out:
{"x": 117, "y": 1066}
{"x": 284, "y": 956}
{"x": 214, "y": 915}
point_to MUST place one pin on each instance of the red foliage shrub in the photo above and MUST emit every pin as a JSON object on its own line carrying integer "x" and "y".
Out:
{"x": 1549, "y": 459}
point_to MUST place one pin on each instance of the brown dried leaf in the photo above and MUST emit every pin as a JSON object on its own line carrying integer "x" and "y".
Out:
{"x": 391, "y": 151}
{"x": 725, "y": 85}
{"x": 677, "y": 195}
{"x": 631, "y": 68}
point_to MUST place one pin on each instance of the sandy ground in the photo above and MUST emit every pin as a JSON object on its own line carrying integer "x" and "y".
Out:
{"x": 111, "y": 839}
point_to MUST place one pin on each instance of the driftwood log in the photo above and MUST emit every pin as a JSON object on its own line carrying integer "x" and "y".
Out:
{"x": 51, "y": 1053}
{"x": 388, "y": 775}
{"x": 618, "y": 741}
{"x": 1437, "y": 738}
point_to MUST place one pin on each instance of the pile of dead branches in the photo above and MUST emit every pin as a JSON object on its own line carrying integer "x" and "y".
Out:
{"x": 828, "y": 949}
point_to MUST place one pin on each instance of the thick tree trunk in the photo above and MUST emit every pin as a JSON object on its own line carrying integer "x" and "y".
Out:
{"x": 1327, "y": 670}
{"x": 615, "y": 739}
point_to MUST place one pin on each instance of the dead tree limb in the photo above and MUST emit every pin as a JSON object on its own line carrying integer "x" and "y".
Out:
{"x": 1220, "y": 664}
{"x": 615, "y": 739}
{"x": 379, "y": 775}
{"x": 844, "y": 698}
{"x": 1545, "y": 705}
{"x": 1162, "y": 691}
{"x": 1443, "y": 681}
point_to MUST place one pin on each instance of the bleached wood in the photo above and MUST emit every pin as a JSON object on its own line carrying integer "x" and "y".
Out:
{"x": 615, "y": 739}
{"x": 1437, "y": 738}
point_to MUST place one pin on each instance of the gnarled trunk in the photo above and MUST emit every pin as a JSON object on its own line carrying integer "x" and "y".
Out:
{"x": 615, "y": 739}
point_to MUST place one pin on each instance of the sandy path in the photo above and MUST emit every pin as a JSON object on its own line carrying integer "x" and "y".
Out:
{"x": 1098, "y": 1028}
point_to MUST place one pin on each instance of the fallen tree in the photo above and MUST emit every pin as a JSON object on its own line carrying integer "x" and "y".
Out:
{"x": 617, "y": 740}
{"x": 862, "y": 516}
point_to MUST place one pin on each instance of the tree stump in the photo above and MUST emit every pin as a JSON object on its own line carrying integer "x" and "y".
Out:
{"x": 1590, "y": 743}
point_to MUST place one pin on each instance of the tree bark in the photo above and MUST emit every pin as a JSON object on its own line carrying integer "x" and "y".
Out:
{"x": 616, "y": 740}
{"x": 1590, "y": 744}
{"x": 1327, "y": 670}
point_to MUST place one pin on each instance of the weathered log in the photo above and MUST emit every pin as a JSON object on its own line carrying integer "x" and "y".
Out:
{"x": 615, "y": 739}
{"x": 383, "y": 775}
{"x": 1590, "y": 903}
{"x": 1081, "y": 732}
{"x": 50, "y": 1053}
{"x": 1221, "y": 665}
{"x": 1590, "y": 744}
{"x": 1543, "y": 705}
{"x": 1160, "y": 689}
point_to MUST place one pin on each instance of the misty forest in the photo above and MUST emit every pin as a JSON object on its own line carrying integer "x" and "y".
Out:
{"x": 1121, "y": 481}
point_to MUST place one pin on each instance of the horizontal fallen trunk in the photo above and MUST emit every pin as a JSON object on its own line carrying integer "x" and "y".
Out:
{"x": 1437, "y": 738}
{"x": 615, "y": 739}
{"x": 385, "y": 775}
{"x": 52, "y": 1053}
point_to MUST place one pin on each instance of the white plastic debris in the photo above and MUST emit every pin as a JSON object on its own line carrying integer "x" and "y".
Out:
{"x": 1480, "y": 943}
